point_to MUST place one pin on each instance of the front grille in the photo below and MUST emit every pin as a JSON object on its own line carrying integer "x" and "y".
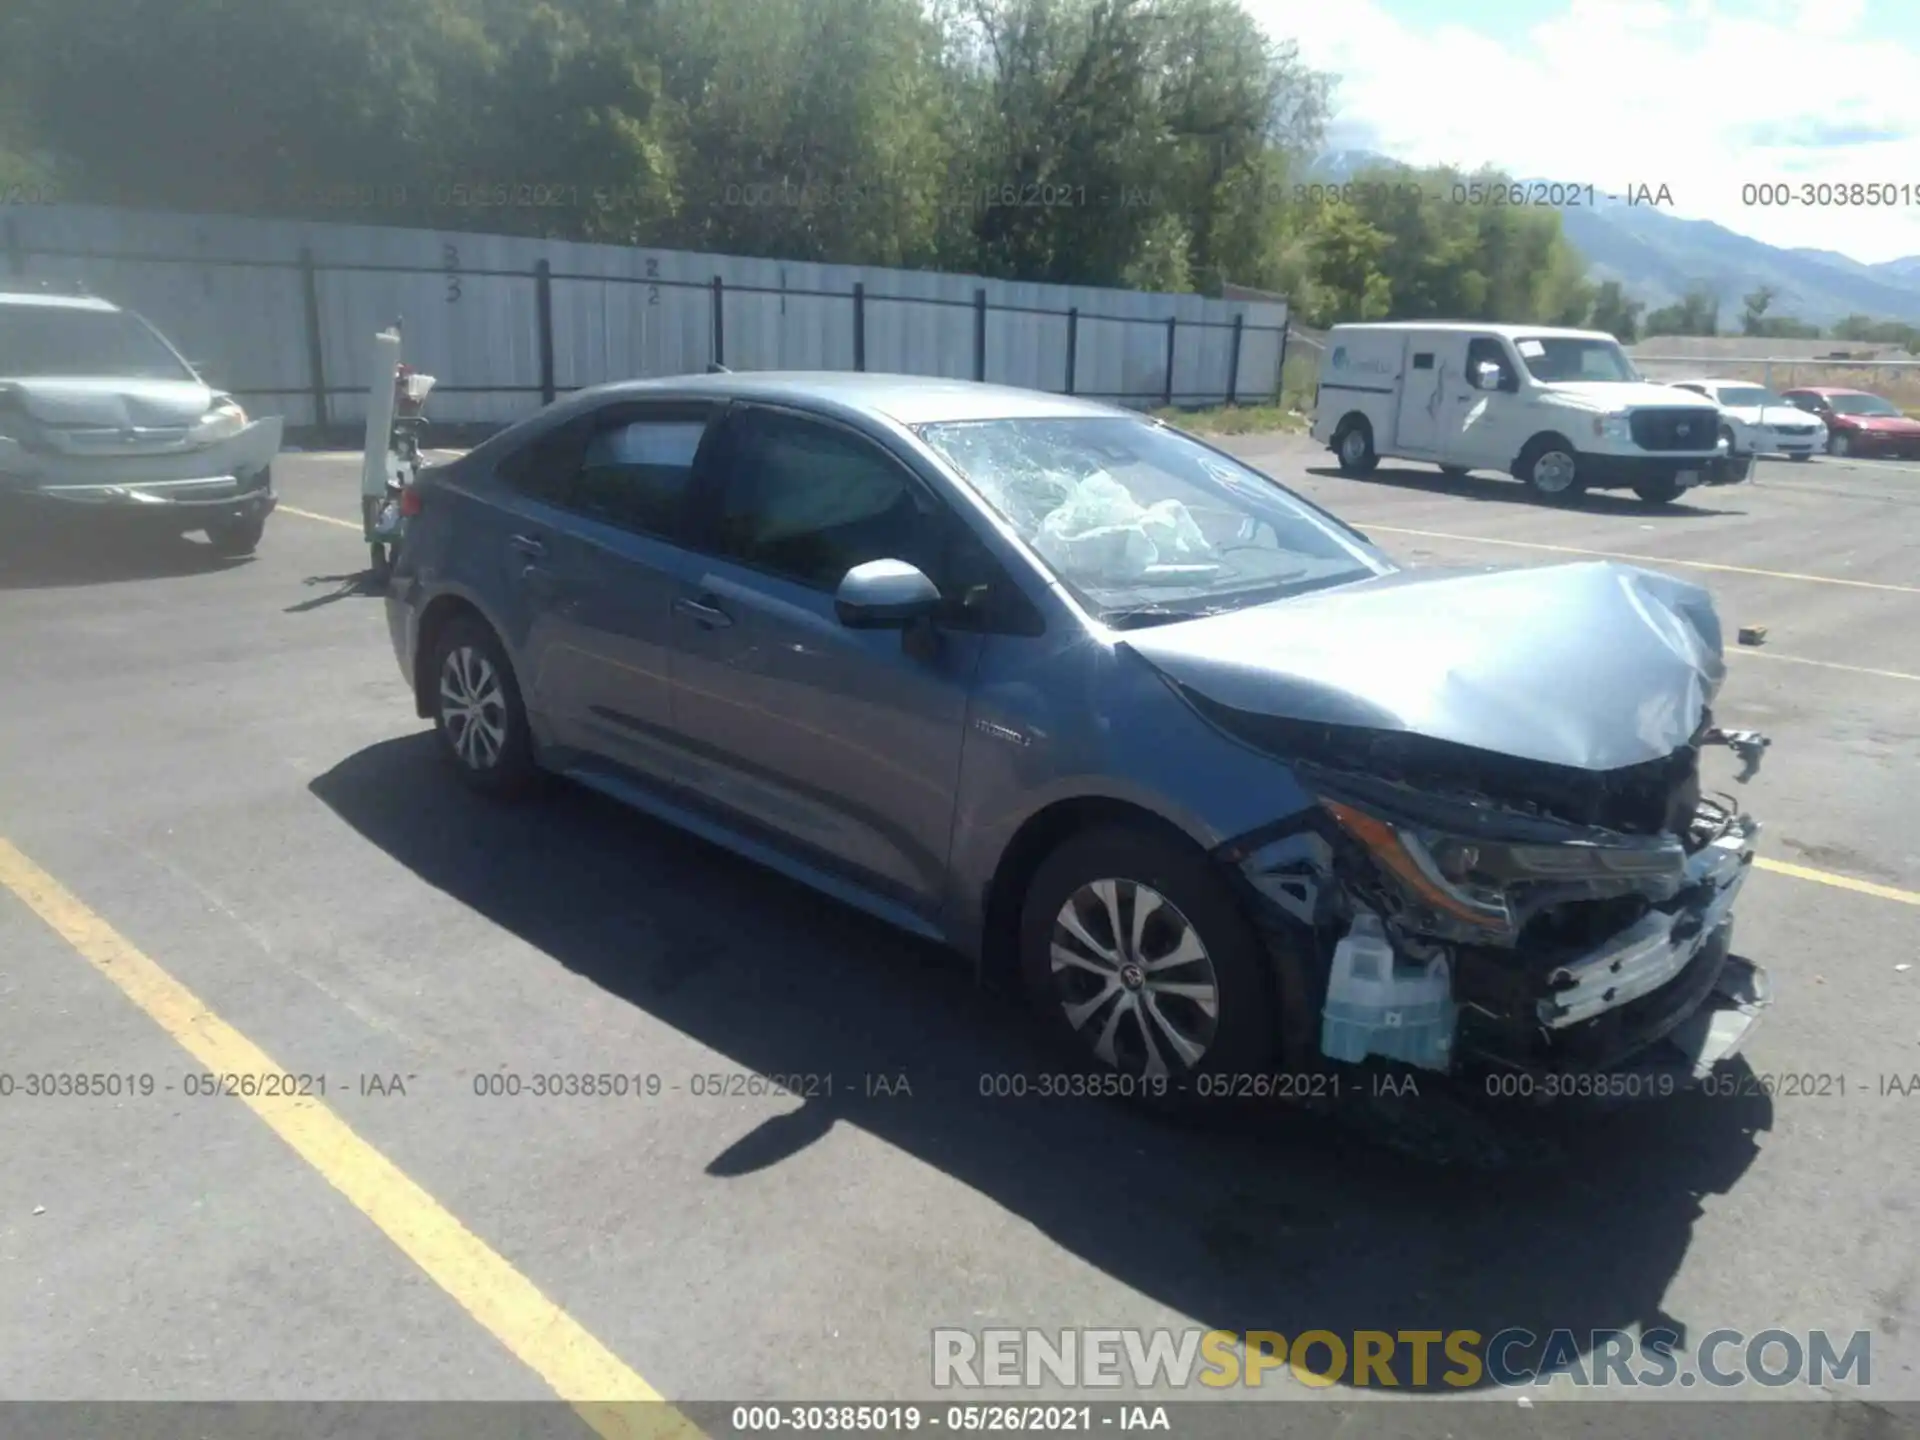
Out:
{"x": 1793, "y": 429}
{"x": 1675, "y": 429}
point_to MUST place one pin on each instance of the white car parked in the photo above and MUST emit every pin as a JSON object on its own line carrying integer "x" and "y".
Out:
{"x": 1758, "y": 422}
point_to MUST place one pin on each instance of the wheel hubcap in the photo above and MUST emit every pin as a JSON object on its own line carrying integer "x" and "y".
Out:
{"x": 1354, "y": 447}
{"x": 1133, "y": 978}
{"x": 1553, "y": 471}
{"x": 473, "y": 707}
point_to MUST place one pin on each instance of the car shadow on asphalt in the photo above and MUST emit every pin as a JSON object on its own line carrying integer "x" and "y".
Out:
{"x": 362, "y": 585}
{"x": 1505, "y": 491}
{"x": 31, "y": 559}
{"x": 1264, "y": 1218}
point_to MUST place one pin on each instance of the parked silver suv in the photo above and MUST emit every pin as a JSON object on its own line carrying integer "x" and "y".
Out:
{"x": 102, "y": 422}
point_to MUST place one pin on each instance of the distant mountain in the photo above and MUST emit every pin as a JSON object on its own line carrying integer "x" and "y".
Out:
{"x": 1657, "y": 256}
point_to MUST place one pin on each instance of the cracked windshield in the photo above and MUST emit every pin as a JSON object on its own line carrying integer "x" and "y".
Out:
{"x": 1146, "y": 525}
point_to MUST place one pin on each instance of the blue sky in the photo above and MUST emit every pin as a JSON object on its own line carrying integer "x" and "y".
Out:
{"x": 1702, "y": 96}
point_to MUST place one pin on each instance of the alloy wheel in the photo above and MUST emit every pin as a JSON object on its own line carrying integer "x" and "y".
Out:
{"x": 473, "y": 707}
{"x": 1133, "y": 978}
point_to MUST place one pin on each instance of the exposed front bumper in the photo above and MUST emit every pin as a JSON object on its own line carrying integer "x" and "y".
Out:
{"x": 1648, "y": 954}
{"x": 1669, "y": 979}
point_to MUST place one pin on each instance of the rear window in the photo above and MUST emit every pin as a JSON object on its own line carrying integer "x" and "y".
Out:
{"x": 37, "y": 340}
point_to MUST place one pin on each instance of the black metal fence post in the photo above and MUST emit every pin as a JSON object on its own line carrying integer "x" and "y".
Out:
{"x": 1280, "y": 371}
{"x": 859, "y": 326}
{"x": 1233, "y": 362}
{"x": 980, "y": 333}
{"x": 1073, "y": 345}
{"x": 719, "y": 321}
{"x": 316, "y": 351}
{"x": 543, "y": 311}
{"x": 1171, "y": 323}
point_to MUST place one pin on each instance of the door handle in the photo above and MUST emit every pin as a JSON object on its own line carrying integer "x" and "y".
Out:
{"x": 531, "y": 545}
{"x": 709, "y": 617}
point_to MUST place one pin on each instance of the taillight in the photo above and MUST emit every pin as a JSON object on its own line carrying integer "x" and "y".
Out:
{"x": 410, "y": 502}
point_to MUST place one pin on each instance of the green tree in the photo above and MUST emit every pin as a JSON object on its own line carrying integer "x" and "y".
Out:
{"x": 1696, "y": 313}
{"x": 1614, "y": 313}
{"x": 1348, "y": 254}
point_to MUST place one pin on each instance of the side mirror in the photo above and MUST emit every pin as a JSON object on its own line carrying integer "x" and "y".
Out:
{"x": 885, "y": 595}
{"x": 1486, "y": 376}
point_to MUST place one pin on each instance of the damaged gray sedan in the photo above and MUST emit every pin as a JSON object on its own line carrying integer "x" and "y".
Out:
{"x": 103, "y": 424}
{"x": 1081, "y": 696}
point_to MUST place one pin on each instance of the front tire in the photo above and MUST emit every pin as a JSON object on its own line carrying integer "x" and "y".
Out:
{"x": 1838, "y": 444}
{"x": 1353, "y": 448}
{"x": 1142, "y": 961}
{"x": 1550, "y": 468}
{"x": 237, "y": 537}
{"x": 478, "y": 713}
{"x": 1802, "y": 457}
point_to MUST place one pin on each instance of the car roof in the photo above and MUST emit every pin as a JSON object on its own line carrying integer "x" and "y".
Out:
{"x": 1712, "y": 380}
{"x": 905, "y": 399}
{"x": 1828, "y": 390}
{"x": 1474, "y": 327}
{"x": 53, "y": 300}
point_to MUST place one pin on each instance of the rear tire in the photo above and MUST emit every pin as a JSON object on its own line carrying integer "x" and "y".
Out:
{"x": 1353, "y": 448}
{"x": 237, "y": 537}
{"x": 1550, "y": 468}
{"x": 1659, "y": 492}
{"x": 477, "y": 710}
{"x": 1131, "y": 1005}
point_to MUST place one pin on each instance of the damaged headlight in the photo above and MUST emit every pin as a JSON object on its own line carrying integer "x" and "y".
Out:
{"x": 1437, "y": 871}
{"x": 223, "y": 421}
{"x": 1491, "y": 882}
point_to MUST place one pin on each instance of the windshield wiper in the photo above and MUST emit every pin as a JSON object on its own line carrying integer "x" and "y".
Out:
{"x": 1139, "y": 617}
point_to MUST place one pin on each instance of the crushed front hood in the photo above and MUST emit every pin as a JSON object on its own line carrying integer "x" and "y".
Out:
{"x": 1593, "y": 666}
{"x": 110, "y": 402}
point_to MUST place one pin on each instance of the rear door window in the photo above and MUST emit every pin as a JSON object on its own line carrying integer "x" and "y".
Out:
{"x": 627, "y": 466}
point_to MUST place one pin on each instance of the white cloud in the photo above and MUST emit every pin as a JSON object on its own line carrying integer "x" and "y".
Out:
{"x": 1680, "y": 93}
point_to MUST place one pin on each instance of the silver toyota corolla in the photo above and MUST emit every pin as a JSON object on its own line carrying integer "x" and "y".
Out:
{"x": 1077, "y": 694}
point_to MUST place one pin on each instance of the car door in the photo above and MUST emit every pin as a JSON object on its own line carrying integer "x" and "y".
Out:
{"x": 603, "y": 539}
{"x": 841, "y": 747}
{"x": 1487, "y": 423}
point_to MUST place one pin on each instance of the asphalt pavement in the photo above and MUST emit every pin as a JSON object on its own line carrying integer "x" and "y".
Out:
{"x": 226, "y": 847}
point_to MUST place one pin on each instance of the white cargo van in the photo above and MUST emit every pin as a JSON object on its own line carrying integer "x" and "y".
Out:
{"x": 1561, "y": 410}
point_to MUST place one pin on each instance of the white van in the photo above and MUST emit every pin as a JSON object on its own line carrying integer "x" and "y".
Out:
{"x": 1561, "y": 410}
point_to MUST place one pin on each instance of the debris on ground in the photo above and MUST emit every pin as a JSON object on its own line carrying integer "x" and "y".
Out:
{"x": 1753, "y": 634}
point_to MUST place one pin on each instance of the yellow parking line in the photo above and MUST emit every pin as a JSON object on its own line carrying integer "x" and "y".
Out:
{"x": 323, "y": 519}
{"x": 1840, "y": 882}
{"x": 607, "y": 1395}
{"x": 1641, "y": 559}
{"x": 1749, "y": 654}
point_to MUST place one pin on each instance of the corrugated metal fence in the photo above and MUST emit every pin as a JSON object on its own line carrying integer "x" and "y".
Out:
{"x": 282, "y": 312}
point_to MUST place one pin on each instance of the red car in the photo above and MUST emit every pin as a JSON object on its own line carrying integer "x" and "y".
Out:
{"x": 1859, "y": 423}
